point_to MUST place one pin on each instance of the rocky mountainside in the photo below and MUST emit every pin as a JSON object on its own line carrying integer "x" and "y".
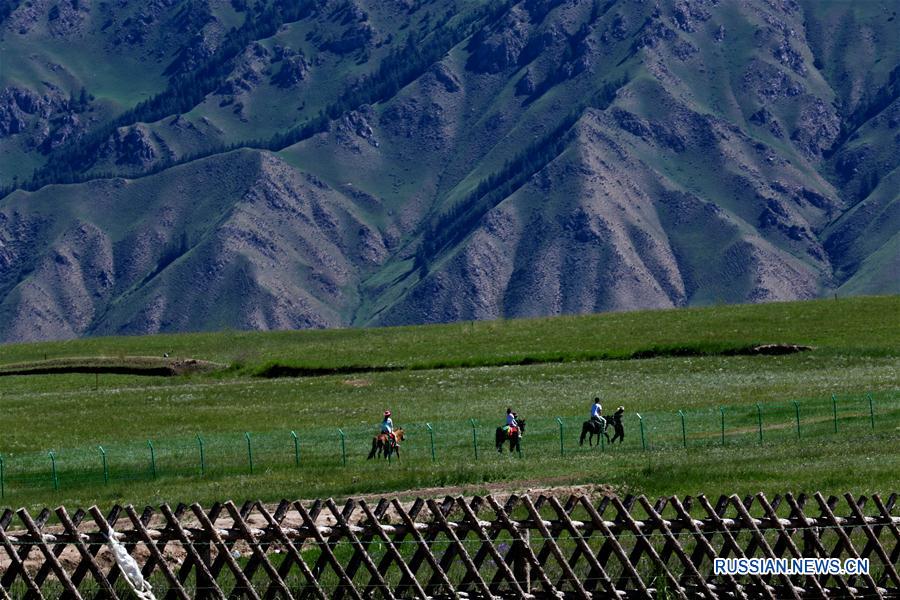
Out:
{"x": 180, "y": 165}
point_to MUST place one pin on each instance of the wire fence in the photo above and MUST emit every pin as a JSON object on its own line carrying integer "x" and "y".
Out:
{"x": 249, "y": 453}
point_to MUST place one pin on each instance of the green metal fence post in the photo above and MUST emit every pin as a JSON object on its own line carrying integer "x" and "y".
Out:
{"x": 105, "y": 466}
{"x": 834, "y": 411}
{"x": 722, "y": 410}
{"x": 683, "y": 429}
{"x": 53, "y": 470}
{"x": 871, "y": 410}
{"x": 343, "y": 447}
{"x": 797, "y": 411}
{"x": 474, "y": 438}
{"x": 249, "y": 451}
{"x": 296, "y": 448}
{"x": 2, "y": 485}
{"x": 759, "y": 419}
{"x": 152, "y": 459}
{"x": 202, "y": 456}
{"x": 643, "y": 438}
{"x": 431, "y": 434}
{"x": 562, "y": 448}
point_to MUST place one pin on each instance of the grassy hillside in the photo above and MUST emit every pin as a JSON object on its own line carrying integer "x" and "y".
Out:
{"x": 856, "y": 351}
{"x": 844, "y": 326}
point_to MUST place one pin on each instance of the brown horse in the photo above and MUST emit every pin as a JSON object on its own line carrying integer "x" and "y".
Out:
{"x": 383, "y": 446}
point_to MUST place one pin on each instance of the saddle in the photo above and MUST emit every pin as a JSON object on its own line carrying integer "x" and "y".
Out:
{"x": 510, "y": 430}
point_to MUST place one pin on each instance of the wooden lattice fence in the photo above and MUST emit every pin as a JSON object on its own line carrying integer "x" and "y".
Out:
{"x": 513, "y": 547}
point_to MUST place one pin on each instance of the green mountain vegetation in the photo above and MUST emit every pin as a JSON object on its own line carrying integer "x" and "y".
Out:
{"x": 196, "y": 165}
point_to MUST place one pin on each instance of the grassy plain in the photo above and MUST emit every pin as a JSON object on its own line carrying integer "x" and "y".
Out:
{"x": 445, "y": 375}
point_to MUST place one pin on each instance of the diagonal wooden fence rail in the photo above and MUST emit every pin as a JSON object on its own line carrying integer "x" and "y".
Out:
{"x": 481, "y": 547}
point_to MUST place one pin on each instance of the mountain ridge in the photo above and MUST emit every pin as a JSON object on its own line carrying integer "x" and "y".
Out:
{"x": 449, "y": 160}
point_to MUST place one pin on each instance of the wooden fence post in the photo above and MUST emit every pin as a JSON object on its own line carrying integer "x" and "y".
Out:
{"x": 521, "y": 566}
{"x": 599, "y": 556}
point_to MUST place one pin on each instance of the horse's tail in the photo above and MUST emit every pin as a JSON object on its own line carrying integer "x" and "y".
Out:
{"x": 374, "y": 448}
{"x": 584, "y": 432}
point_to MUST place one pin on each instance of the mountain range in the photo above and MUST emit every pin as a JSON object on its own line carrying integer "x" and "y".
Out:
{"x": 182, "y": 165}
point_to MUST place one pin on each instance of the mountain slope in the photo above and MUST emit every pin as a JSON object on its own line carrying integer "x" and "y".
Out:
{"x": 238, "y": 241}
{"x": 432, "y": 161}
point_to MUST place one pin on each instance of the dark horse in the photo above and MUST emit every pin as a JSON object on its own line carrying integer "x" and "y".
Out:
{"x": 593, "y": 428}
{"x": 514, "y": 438}
{"x": 383, "y": 445}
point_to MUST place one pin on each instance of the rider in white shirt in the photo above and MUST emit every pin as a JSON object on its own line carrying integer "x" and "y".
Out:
{"x": 387, "y": 425}
{"x": 511, "y": 418}
{"x": 597, "y": 412}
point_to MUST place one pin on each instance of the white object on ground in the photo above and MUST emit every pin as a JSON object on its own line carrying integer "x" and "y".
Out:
{"x": 130, "y": 568}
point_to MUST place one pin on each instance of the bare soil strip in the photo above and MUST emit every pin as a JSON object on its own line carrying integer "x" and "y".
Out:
{"x": 132, "y": 365}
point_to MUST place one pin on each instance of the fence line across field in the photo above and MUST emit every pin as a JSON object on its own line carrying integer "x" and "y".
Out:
{"x": 483, "y": 547}
{"x": 206, "y": 454}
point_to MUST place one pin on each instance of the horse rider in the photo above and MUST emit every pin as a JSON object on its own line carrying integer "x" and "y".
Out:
{"x": 510, "y": 420}
{"x": 617, "y": 425}
{"x": 387, "y": 426}
{"x": 597, "y": 414}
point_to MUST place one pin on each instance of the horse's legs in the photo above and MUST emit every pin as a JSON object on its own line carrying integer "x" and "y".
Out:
{"x": 393, "y": 448}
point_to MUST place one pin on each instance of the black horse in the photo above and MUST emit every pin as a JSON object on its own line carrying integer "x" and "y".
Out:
{"x": 593, "y": 427}
{"x": 514, "y": 438}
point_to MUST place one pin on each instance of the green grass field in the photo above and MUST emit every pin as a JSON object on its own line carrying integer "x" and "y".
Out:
{"x": 445, "y": 375}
